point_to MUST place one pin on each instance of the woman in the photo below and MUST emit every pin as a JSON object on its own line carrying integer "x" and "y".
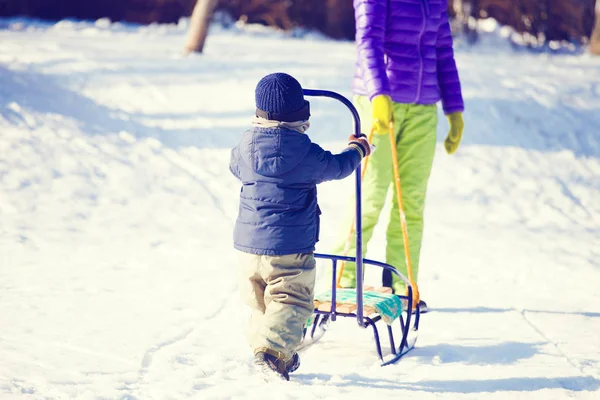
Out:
{"x": 405, "y": 66}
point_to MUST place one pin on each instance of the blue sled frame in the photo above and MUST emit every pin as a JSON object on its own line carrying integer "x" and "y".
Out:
{"x": 323, "y": 317}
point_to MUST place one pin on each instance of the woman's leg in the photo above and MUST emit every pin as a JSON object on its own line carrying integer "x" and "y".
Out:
{"x": 374, "y": 191}
{"x": 416, "y": 148}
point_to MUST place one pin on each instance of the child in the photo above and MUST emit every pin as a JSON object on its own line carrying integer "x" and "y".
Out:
{"x": 278, "y": 222}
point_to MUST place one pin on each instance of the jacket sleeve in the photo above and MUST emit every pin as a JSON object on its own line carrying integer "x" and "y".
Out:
{"x": 234, "y": 167}
{"x": 370, "y": 17}
{"x": 447, "y": 74}
{"x": 335, "y": 166}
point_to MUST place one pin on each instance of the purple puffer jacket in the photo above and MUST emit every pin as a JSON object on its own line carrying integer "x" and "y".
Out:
{"x": 405, "y": 51}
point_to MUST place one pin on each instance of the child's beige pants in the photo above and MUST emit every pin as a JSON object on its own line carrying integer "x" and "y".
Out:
{"x": 280, "y": 291}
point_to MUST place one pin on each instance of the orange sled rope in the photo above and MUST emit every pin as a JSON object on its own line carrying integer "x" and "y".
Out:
{"x": 416, "y": 296}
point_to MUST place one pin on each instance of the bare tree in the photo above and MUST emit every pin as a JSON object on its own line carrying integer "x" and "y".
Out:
{"x": 199, "y": 23}
{"x": 595, "y": 39}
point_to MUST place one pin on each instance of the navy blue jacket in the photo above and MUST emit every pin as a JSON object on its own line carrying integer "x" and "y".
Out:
{"x": 280, "y": 170}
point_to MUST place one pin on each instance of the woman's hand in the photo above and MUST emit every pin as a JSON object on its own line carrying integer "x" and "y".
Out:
{"x": 456, "y": 130}
{"x": 382, "y": 114}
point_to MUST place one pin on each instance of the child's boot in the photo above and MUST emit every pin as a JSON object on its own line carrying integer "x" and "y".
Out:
{"x": 270, "y": 364}
{"x": 293, "y": 364}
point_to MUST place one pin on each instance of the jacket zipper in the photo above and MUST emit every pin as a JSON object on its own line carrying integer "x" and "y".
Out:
{"x": 424, "y": 13}
{"x": 426, "y": 7}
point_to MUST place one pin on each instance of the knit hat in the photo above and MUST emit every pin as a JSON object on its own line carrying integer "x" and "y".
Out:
{"x": 280, "y": 97}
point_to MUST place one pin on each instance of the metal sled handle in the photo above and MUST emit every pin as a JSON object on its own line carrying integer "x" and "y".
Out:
{"x": 359, "y": 252}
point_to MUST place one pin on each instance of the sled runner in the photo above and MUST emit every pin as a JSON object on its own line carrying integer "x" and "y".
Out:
{"x": 368, "y": 305}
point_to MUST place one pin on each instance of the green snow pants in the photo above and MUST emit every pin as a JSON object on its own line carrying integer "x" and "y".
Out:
{"x": 416, "y": 127}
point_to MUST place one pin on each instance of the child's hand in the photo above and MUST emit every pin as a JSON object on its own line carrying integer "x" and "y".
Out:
{"x": 361, "y": 143}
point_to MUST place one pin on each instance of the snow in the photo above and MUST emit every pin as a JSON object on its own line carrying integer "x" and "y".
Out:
{"x": 117, "y": 273}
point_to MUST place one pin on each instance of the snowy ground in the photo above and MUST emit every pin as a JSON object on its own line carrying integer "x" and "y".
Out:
{"x": 116, "y": 209}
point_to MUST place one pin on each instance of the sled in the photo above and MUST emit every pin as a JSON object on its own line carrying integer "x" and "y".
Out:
{"x": 400, "y": 314}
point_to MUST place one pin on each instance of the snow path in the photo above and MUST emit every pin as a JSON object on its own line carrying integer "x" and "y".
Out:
{"x": 117, "y": 275}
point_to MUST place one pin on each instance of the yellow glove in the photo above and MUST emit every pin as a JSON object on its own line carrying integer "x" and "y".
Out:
{"x": 456, "y": 130}
{"x": 382, "y": 113}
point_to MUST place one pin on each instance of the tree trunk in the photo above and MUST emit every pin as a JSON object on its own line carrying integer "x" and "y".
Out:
{"x": 199, "y": 23}
{"x": 334, "y": 23}
{"x": 595, "y": 39}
